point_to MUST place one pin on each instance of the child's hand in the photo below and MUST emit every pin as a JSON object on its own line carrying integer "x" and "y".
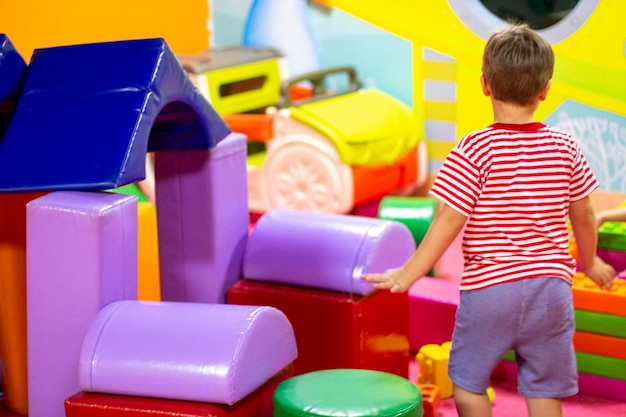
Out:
{"x": 394, "y": 280}
{"x": 601, "y": 273}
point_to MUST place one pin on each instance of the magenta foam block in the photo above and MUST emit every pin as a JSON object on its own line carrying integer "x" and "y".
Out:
{"x": 324, "y": 251}
{"x": 213, "y": 353}
{"x": 81, "y": 255}
{"x": 432, "y": 310}
{"x": 615, "y": 258}
{"x": 587, "y": 384}
{"x": 203, "y": 220}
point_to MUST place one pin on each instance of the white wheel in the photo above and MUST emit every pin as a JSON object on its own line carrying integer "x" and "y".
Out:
{"x": 302, "y": 175}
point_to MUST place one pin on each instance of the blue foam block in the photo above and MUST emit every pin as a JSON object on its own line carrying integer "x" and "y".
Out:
{"x": 88, "y": 114}
{"x": 12, "y": 69}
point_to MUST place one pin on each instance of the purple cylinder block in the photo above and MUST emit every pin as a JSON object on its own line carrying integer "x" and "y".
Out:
{"x": 213, "y": 353}
{"x": 326, "y": 251}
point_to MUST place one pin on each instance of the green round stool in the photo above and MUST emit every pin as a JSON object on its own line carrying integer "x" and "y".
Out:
{"x": 347, "y": 392}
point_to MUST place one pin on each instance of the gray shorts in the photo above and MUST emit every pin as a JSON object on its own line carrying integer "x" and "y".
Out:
{"x": 535, "y": 318}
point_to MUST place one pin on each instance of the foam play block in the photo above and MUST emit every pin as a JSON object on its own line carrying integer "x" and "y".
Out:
{"x": 613, "y": 368}
{"x": 82, "y": 255}
{"x": 432, "y": 309}
{"x": 203, "y": 220}
{"x": 587, "y": 363}
{"x": 588, "y": 296}
{"x": 309, "y": 265}
{"x": 93, "y": 404}
{"x": 587, "y": 384}
{"x": 598, "y": 344}
{"x": 600, "y": 323}
{"x": 71, "y": 90}
{"x": 184, "y": 351}
{"x": 148, "y": 283}
{"x": 337, "y": 330}
{"x": 612, "y": 236}
{"x": 615, "y": 258}
{"x": 417, "y": 213}
{"x": 12, "y": 69}
{"x": 324, "y": 251}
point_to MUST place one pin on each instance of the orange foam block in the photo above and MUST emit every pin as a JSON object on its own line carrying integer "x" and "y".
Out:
{"x": 148, "y": 285}
{"x": 599, "y": 344}
{"x": 13, "y": 295}
{"x": 588, "y": 296}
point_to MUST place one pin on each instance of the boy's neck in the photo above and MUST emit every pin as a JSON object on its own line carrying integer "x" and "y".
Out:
{"x": 509, "y": 113}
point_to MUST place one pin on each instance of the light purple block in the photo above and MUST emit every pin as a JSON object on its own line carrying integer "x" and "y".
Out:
{"x": 203, "y": 220}
{"x": 81, "y": 255}
{"x": 327, "y": 251}
{"x": 214, "y": 353}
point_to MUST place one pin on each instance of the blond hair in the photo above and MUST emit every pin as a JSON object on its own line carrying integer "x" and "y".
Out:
{"x": 517, "y": 64}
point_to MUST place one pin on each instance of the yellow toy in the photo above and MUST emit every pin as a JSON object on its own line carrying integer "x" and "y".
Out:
{"x": 433, "y": 367}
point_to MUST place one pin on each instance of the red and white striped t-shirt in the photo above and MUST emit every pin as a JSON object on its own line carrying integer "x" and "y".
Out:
{"x": 515, "y": 184}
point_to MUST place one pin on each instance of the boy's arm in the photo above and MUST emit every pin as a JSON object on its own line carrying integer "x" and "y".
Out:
{"x": 444, "y": 229}
{"x": 584, "y": 226}
{"x": 612, "y": 215}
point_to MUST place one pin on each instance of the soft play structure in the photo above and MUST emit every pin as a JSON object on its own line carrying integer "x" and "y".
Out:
{"x": 76, "y": 341}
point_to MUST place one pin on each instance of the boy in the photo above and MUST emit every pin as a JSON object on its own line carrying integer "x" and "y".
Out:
{"x": 515, "y": 183}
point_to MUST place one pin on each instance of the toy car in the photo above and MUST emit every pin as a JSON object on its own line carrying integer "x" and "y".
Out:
{"x": 318, "y": 141}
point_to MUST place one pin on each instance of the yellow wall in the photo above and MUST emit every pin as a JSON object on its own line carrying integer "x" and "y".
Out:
{"x": 35, "y": 24}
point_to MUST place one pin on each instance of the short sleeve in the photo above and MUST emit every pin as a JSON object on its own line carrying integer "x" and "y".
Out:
{"x": 583, "y": 182}
{"x": 458, "y": 182}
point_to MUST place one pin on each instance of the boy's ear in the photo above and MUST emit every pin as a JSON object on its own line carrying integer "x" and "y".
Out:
{"x": 544, "y": 92}
{"x": 485, "y": 86}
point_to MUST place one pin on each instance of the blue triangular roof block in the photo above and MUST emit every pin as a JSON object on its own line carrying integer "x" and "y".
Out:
{"x": 89, "y": 113}
{"x": 12, "y": 69}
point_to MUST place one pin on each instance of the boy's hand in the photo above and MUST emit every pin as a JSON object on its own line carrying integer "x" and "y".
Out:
{"x": 394, "y": 280}
{"x": 601, "y": 273}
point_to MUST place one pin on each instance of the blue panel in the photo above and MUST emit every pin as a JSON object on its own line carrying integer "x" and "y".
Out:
{"x": 12, "y": 73}
{"x": 88, "y": 114}
{"x": 12, "y": 69}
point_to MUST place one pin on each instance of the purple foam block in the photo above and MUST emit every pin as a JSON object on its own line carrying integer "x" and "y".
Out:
{"x": 327, "y": 251}
{"x": 214, "y": 353}
{"x": 81, "y": 255}
{"x": 203, "y": 220}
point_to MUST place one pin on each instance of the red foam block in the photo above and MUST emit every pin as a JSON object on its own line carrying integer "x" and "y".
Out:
{"x": 92, "y": 404}
{"x": 337, "y": 330}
